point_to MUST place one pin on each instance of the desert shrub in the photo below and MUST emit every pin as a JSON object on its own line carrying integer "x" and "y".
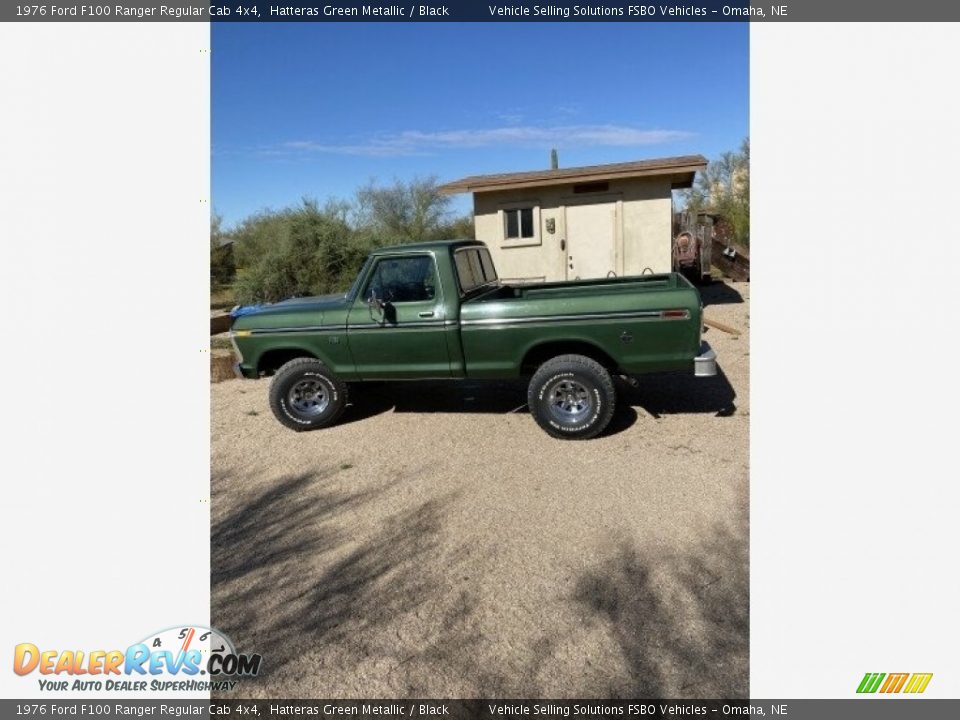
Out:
{"x": 296, "y": 252}
{"x": 409, "y": 211}
{"x": 222, "y": 265}
{"x": 313, "y": 250}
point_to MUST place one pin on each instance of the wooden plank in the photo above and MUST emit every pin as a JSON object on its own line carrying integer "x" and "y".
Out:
{"x": 720, "y": 326}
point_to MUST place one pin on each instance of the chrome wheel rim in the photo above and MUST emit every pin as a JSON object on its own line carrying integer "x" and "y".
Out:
{"x": 569, "y": 401}
{"x": 309, "y": 397}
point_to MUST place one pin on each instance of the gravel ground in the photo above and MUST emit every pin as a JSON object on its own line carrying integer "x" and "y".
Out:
{"x": 438, "y": 544}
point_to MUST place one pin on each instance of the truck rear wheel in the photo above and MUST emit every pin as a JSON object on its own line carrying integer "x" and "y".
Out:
{"x": 305, "y": 395}
{"x": 572, "y": 397}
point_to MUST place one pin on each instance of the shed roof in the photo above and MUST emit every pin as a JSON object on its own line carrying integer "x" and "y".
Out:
{"x": 684, "y": 167}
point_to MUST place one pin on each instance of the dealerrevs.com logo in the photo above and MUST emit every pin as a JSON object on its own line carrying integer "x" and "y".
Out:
{"x": 910, "y": 683}
{"x": 180, "y": 659}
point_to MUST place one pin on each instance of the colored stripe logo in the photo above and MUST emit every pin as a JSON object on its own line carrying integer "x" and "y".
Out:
{"x": 894, "y": 683}
{"x": 918, "y": 683}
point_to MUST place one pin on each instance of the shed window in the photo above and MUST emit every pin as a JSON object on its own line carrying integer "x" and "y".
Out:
{"x": 518, "y": 223}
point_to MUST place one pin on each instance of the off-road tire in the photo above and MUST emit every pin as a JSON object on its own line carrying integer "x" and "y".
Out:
{"x": 305, "y": 395}
{"x": 572, "y": 397}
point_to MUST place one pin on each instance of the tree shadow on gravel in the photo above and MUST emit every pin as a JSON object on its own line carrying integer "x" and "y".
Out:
{"x": 332, "y": 607}
{"x": 287, "y": 575}
{"x": 459, "y": 659}
{"x": 397, "y": 608}
{"x": 681, "y": 623}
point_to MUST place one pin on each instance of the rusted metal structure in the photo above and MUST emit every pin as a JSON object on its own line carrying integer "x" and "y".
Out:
{"x": 698, "y": 244}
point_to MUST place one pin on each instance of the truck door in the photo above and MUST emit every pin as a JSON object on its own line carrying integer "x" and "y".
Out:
{"x": 396, "y": 325}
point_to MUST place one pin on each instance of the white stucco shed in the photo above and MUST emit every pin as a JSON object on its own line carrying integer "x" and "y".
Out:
{"x": 582, "y": 222}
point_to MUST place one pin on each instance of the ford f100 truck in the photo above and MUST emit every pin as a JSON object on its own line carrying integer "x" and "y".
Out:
{"x": 438, "y": 311}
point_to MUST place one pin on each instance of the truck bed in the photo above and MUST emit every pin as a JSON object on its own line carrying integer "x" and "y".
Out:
{"x": 628, "y": 317}
{"x": 572, "y": 289}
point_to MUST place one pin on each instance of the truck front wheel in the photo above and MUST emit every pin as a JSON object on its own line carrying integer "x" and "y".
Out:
{"x": 572, "y": 397}
{"x": 305, "y": 395}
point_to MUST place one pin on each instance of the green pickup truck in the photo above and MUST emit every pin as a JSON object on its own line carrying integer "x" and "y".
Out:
{"x": 438, "y": 311}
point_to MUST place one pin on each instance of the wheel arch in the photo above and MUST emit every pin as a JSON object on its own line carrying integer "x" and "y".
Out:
{"x": 538, "y": 354}
{"x": 273, "y": 359}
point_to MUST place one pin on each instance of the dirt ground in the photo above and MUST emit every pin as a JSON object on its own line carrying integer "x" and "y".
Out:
{"x": 438, "y": 544}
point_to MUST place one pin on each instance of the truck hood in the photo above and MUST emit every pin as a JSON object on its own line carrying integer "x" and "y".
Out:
{"x": 315, "y": 303}
{"x": 296, "y": 312}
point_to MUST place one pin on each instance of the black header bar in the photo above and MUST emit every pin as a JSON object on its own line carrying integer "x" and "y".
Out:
{"x": 479, "y": 11}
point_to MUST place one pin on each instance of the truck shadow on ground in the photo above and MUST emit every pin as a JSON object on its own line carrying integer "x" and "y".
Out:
{"x": 718, "y": 292}
{"x": 656, "y": 395}
{"x": 680, "y": 622}
{"x": 681, "y": 393}
{"x": 435, "y": 396}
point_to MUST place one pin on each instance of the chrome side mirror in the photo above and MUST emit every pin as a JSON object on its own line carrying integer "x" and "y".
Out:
{"x": 373, "y": 301}
{"x": 376, "y": 306}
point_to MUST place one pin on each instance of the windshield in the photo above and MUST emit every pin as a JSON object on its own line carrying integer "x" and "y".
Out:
{"x": 354, "y": 286}
{"x": 474, "y": 268}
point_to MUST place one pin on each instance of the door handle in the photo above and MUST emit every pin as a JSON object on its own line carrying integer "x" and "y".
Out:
{"x": 426, "y": 313}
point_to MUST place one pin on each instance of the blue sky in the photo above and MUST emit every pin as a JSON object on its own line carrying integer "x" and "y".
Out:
{"x": 318, "y": 109}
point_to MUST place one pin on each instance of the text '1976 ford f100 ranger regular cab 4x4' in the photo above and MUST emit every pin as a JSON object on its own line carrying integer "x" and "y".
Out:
{"x": 437, "y": 311}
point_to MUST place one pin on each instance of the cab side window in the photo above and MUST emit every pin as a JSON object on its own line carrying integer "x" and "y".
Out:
{"x": 404, "y": 279}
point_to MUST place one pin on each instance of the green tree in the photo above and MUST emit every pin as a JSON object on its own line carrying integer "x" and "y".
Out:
{"x": 311, "y": 250}
{"x": 222, "y": 266}
{"x": 724, "y": 188}
{"x": 411, "y": 211}
{"x": 297, "y": 251}
{"x": 458, "y": 228}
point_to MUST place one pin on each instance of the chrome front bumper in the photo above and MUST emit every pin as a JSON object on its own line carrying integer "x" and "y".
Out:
{"x": 705, "y": 364}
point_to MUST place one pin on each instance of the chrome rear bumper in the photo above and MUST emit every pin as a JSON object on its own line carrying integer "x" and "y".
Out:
{"x": 705, "y": 364}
